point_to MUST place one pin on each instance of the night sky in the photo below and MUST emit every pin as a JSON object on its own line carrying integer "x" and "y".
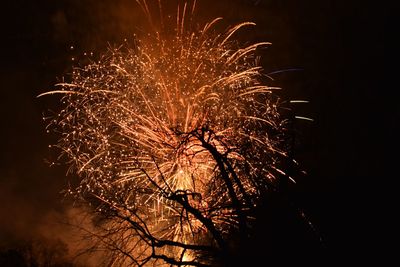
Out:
{"x": 332, "y": 53}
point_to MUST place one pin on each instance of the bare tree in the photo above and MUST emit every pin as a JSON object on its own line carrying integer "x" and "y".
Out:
{"x": 191, "y": 227}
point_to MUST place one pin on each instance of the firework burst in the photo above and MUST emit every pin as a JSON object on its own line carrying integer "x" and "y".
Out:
{"x": 174, "y": 139}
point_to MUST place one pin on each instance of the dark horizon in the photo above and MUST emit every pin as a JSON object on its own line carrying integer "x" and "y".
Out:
{"x": 331, "y": 54}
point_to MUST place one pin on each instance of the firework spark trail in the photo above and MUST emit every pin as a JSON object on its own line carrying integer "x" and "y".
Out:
{"x": 139, "y": 127}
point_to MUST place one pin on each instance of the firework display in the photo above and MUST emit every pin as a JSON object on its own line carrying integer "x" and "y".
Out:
{"x": 174, "y": 140}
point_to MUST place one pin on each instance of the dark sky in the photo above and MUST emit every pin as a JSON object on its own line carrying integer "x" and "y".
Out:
{"x": 338, "y": 45}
